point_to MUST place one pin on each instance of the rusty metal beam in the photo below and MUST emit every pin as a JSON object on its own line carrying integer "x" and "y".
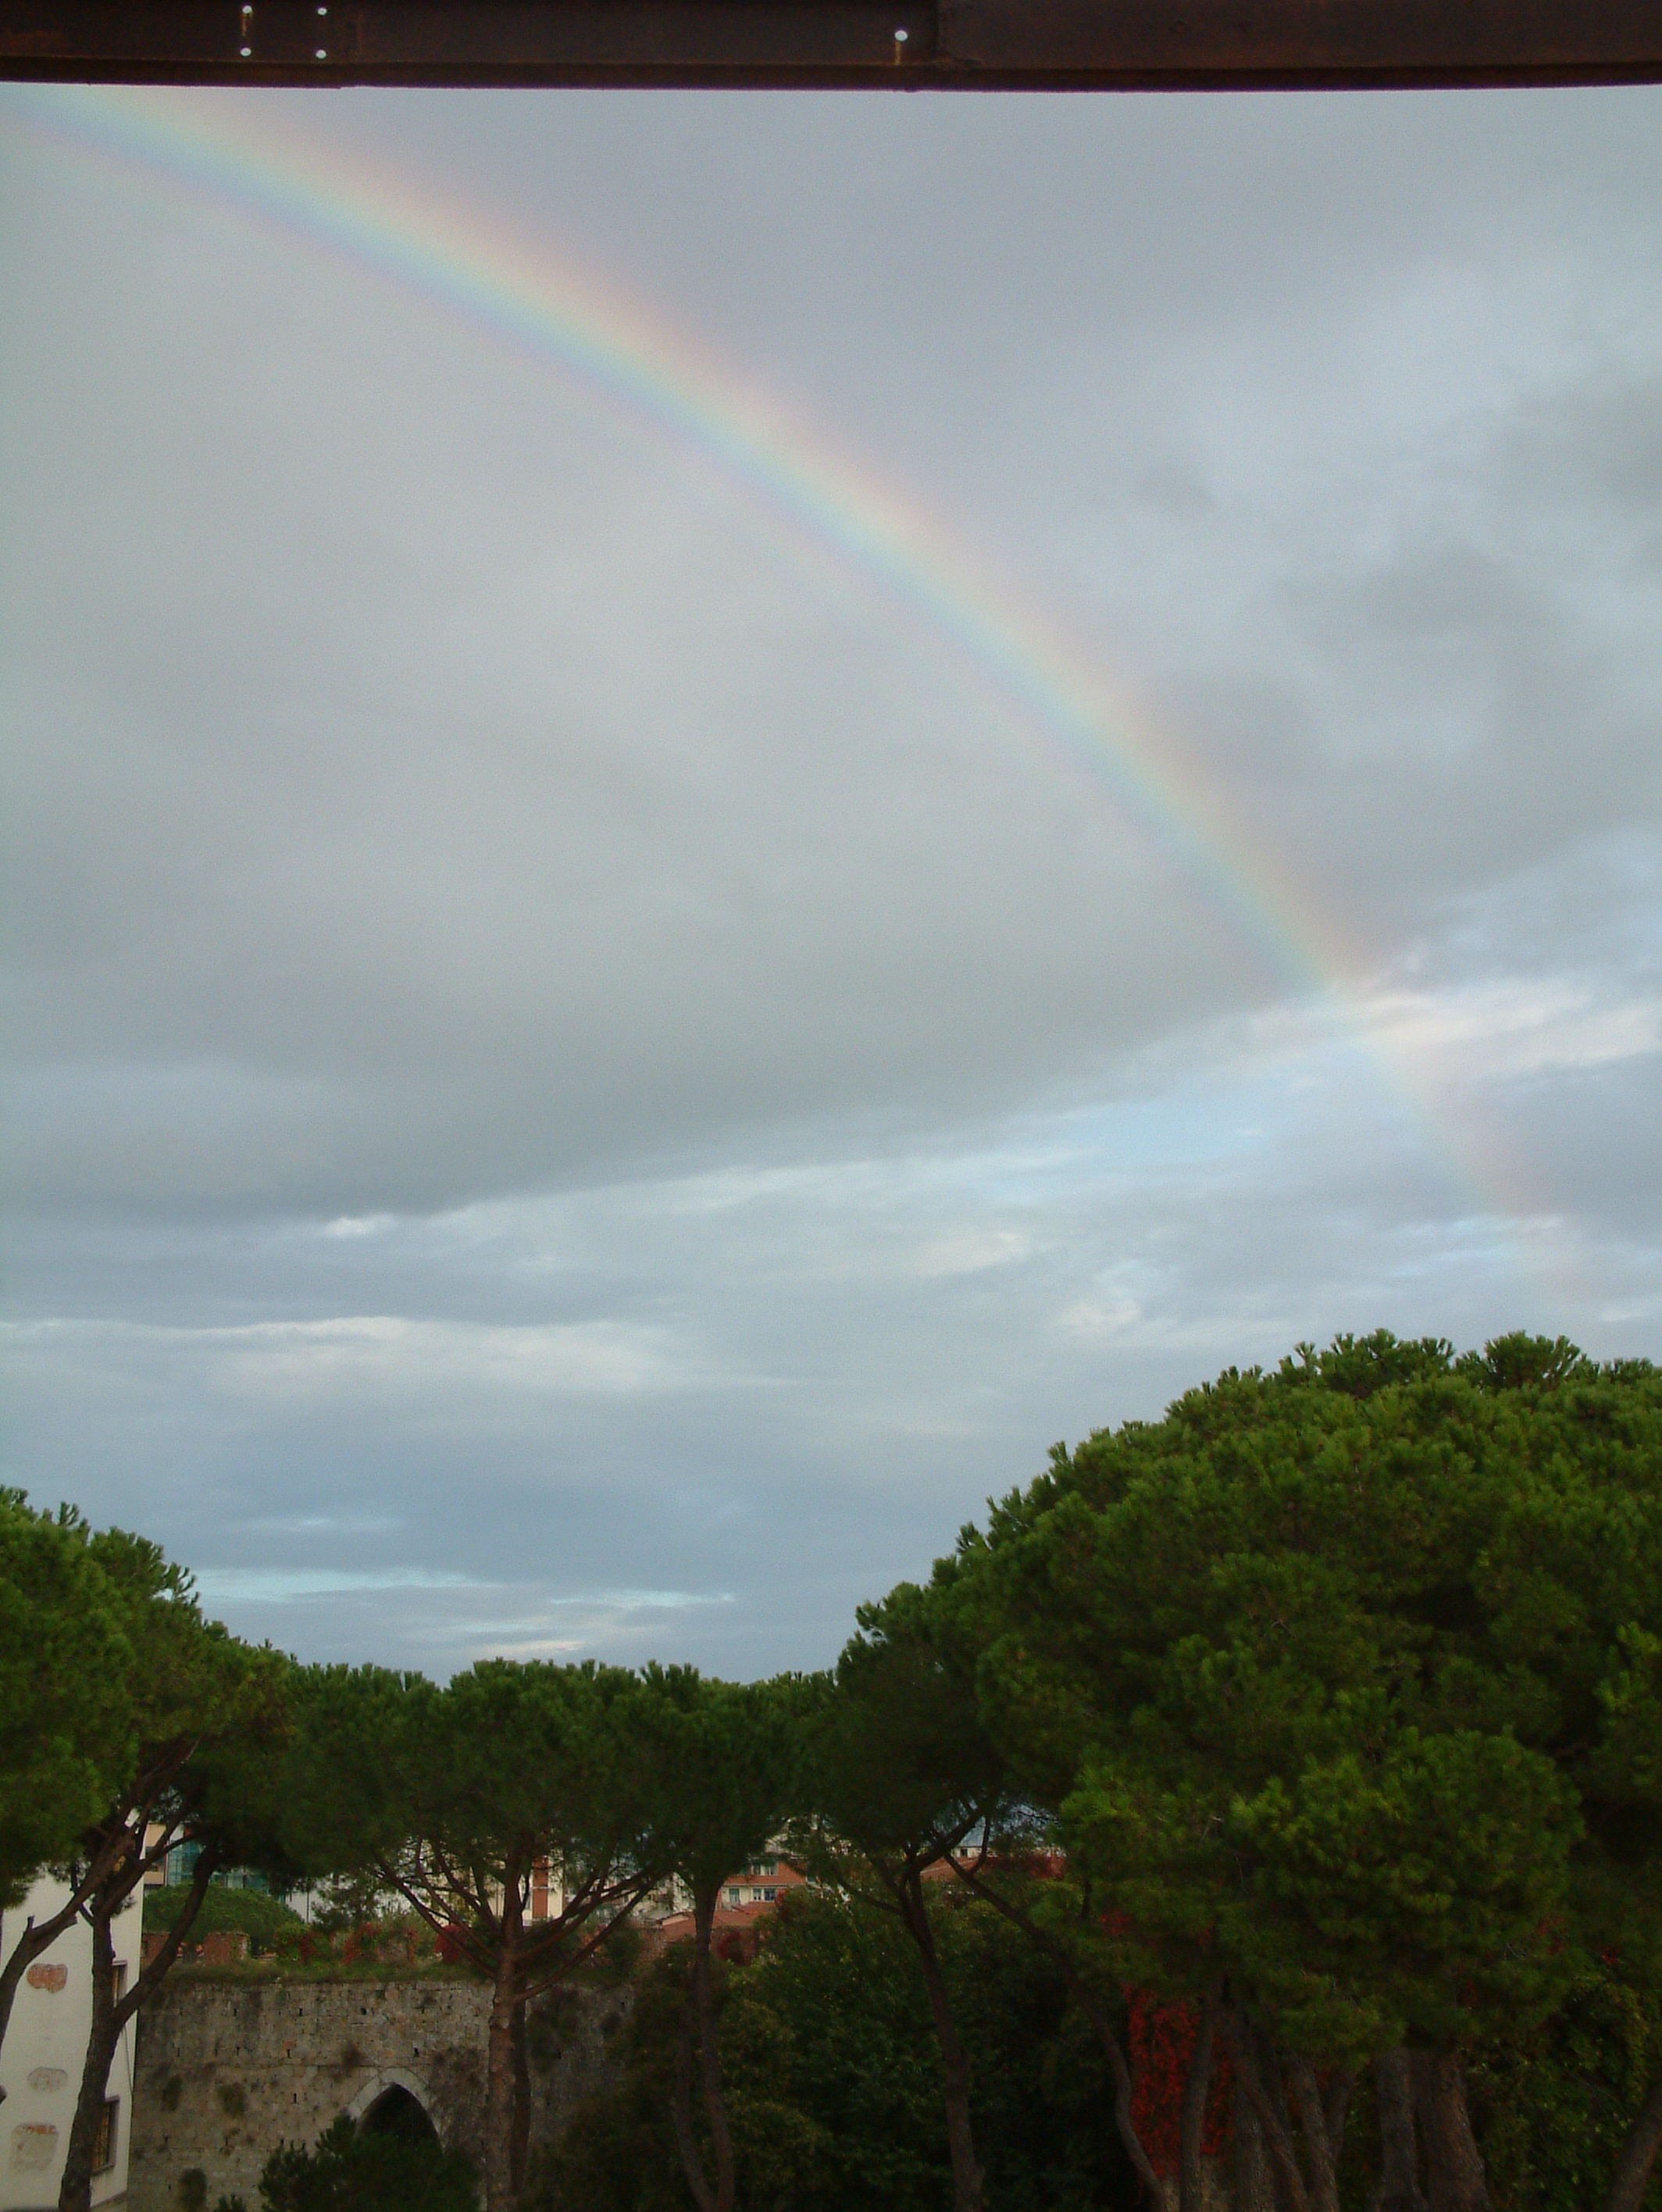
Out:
{"x": 909, "y": 45}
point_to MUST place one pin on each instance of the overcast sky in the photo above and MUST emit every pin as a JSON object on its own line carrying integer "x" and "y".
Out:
{"x": 578, "y": 1080}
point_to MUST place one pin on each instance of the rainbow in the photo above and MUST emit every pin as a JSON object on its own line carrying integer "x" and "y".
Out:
{"x": 826, "y": 508}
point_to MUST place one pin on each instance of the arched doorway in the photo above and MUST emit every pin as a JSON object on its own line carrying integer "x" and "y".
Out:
{"x": 395, "y": 2102}
{"x": 396, "y": 2112}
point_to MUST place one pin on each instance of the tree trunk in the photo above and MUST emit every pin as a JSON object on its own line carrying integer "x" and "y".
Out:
{"x": 1271, "y": 2114}
{"x": 1191, "y": 2187}
{"x": 710, "y": 2054}
{"x": 500, "y": 2063}
{"x": 1274, "y": 2076}
{"x": 75, "y": 2192}
{"x": 681, "y": 2113}
{"x": 1454, "y": 2165}
{"x": 1399, "y": 2187}
{"x": 700, "y": 2013}
{"x": 1638, "y": 2155}
{"x": 954, "y": 2063}
{"x": 520, "y": 2141}
{"x": 1324, "y": 2182}
{"x": 1336, "y": 2108}
{"x": 1254, "y": 2177}
{"x": 110, "y": 2017}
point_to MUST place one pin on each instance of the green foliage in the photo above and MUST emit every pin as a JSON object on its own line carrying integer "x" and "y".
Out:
{"x": 346, "y": 2171}
{"x": 1340, "y": 1684}
{"x": 1553, "y": 2106}
{"x": 722, "y": 1757}
{"x": 1430, "y": 1868}
{"x": 66, "y": 1706}
{"x": 613, "y": 1961}
{"x": 897, "y": 1766}
{"x": 265, "y": 1920}
{"x": 456, "y": 1795}
{"x": 203, "y": 1714}
{"x": 391, "y": 1775}
{"x": 1344, "y": 1679}
{"x": 833, "y": 2082}
{"x": 349, "y": 1901}
{"x": 574, "y": 1790}
{"x": 207, "y": 1715}
{"x": 344, "y": 1786}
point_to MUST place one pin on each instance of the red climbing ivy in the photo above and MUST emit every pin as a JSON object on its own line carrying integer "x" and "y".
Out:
{"x": 1161, "y": 2041}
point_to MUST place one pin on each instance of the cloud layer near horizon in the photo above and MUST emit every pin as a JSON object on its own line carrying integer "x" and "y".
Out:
{"x": 573, "y": 1084}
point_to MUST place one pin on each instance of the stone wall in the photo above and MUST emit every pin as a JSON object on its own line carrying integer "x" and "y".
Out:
{"x": 228, "y": 2069}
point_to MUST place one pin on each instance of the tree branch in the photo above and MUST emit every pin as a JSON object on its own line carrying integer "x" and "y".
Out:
{"x": 152, "y": 1971}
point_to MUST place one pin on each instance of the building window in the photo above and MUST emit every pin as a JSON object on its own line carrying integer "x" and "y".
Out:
{"x": 181, "y": 1859}
{"x": 242, "y": 1878}
{"x": 732, "y": 1897}
{"x": 768, "y": 1896}
{"x": 180, "y": 1865}
{"x": 104, "y": 2141}
{"x": 118, "y": 1981}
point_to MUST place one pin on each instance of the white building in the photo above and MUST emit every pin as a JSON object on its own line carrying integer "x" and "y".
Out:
{"x": 45, "y": 2048}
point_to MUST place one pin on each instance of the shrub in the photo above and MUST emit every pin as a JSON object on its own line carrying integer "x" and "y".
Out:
{"x": 265, "y": 1920}
{"x": 348, "y": 2171}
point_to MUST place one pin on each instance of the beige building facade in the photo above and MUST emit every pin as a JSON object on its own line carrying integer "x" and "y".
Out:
{"x": 43, "y": 2054}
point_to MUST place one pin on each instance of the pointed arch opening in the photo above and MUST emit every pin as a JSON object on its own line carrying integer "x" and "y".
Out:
{"x": 395, "y": 2102}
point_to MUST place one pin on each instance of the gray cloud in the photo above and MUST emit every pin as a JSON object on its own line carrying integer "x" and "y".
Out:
{"x": 576, "y": 1081}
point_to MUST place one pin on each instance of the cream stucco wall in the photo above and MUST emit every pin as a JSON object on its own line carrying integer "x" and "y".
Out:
{"x": 41, "y": 2059}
